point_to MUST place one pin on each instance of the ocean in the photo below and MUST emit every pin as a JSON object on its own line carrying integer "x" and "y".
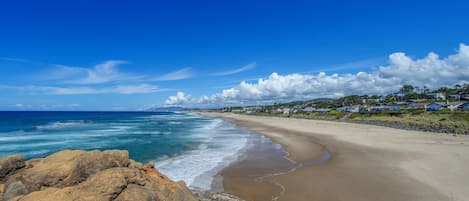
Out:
{"x": 183, "y": 146}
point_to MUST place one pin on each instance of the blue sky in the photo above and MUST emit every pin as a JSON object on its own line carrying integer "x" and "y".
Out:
{"x": 127, "y": 55}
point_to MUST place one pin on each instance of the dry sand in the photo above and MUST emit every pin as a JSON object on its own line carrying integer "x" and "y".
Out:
{"x": 368, "y": 163}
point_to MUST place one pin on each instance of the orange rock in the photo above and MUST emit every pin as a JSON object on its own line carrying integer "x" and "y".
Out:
{"x": 93, "y": 175}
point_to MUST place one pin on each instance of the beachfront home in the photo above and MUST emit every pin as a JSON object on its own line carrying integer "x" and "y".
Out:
{"x": 395, "y": 107}
{"x": 416, "y": 100}
{"x": 436, "y": 96}
{"x": 251, "y": 110}
{"x": 418, "y": 106}
{"x": 309, "y": 109}
{"x": 287, "y": 111}
{"x": 355, "y": 108}
{"x": 455, "y": 96}
{"x": 454, "y": 105}
{"x": 237, "y": 110}
{"x": 464, "y": 107}
{"x": 377, "y": 108}
{"x": 341, "y": 109}
{"x": 435, "y": 106}
{"x": 464, "y": 97}
{"x": 323, "y": 110}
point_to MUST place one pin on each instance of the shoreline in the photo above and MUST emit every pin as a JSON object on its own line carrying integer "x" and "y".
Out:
{"x": 368, "y": 162}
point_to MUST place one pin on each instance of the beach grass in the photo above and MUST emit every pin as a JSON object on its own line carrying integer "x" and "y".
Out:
{"x": 437, "y": 121}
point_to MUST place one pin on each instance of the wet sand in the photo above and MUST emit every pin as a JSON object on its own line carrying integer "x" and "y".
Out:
{"x": 367, "y": 163}
{"x": 255, "y": 169}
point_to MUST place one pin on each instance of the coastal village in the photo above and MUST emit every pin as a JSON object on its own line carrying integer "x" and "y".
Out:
{"x": 407, "y": 98}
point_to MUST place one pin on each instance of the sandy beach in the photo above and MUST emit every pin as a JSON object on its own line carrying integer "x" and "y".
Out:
{"x": 344, "y": 161}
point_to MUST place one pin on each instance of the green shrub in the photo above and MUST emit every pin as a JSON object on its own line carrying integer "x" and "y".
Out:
{"x": 416, "y": 111}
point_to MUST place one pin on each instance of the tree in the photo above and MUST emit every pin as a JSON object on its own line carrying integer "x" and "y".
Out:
{"x": 425, "y": 90}
{"x": 407, "y": 89}
{"x": 466, "y": 87}
{"x": 417, "y": 89}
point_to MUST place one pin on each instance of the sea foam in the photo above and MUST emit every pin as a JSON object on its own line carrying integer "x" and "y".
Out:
{"x": 223, "y": 144}
{"x": 61, "y": 125}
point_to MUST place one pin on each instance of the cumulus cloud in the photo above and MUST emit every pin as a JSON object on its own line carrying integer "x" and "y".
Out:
{"x": 180, "y": 74}
{"x": 238, "y": 70}
{"x": 430, "y": 71}
{"x": 179, "y": 99}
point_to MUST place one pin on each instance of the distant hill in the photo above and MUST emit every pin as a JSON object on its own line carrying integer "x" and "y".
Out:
{"x": 165, "y": 109}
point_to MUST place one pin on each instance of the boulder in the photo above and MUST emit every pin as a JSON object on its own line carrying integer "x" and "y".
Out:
{"x": 136, "y": 192}
{"x": 224, "y": 197}
{"x": 67, "y": 168}
{"x": 10, "y": 164}
{"x": 116, "y": 184}
{"x": 14, "y": 189}
{"x": 92, "y": 176}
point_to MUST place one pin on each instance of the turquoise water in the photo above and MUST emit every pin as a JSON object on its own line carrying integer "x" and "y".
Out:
{"x": 184, "y": 146}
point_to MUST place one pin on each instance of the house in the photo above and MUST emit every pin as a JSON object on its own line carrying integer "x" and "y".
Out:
{"x": 323, "y": 110}
{"x": 251, "y": 110}
{"x": 465, "y": 97}
{"x": 341, "y": 109}
{"x": 355, "y": 108}
{"x": 464, "y": 106}
{"x": 455, "y": 97}
{"x": 416, "y": 100}
{"x": 437, "y": 96}
{"x": 418, "y": 106}
{"x": 287, "y": 111}
{"x": 435, "y": 106}
{"x": 395, "y": 107}
{"x": 309, "y": 109}
{"x": 236, "y": 110}
{"x": 454, "y": 105}
{"x": 377, "y": 108}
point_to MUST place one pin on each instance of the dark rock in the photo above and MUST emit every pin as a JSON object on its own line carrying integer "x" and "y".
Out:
{"x": 10, "y": 164}
{"x": 14, "y": 189}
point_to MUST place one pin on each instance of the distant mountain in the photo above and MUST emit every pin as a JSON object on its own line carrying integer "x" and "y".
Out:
{"x": 321, "y": 100}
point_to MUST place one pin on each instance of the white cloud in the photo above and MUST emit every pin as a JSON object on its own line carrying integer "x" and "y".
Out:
{"x": 72, "y": 106}
{"x": 238, "y": 70}
{"x": 181, "y": 74}
{"x": 430, "y": 71}
{"x": 102, "y": 73}
{"x": 21, "y": 106}
{"x": 360, "y": 64}
{"x": 179, "y": 99}
{"x": 118, "y": 89}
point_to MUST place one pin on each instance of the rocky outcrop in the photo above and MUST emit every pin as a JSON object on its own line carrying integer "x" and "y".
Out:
{"x": 220, "y": 197}
{"x": 82, "y": 175}
{"x": 9, "y": 165}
